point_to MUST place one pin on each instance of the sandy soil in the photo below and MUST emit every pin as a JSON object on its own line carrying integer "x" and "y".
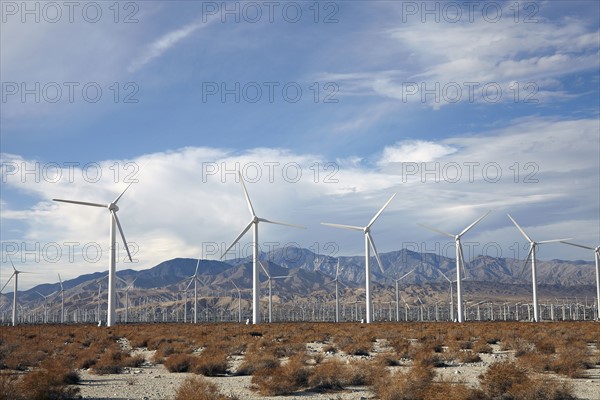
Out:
{"x": 154, "y": 382}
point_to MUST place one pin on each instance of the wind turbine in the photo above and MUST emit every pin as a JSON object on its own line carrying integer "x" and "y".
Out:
{"x": 112, "y": 208}
{"x": 129, "y": 286}
{"x": 194, "y": 278}
{"x": 62, "y": 301}
{"x": 254, "y": 225}
{"x": 531, "y": 254}
{"x": 46, "y": 305}
{"x": 459, "y": 260}
{"x": 369, "y": 243}
{"x": 596, "y": 251}
{"x": 451, "y": 295}
{"x": 269, "y": 279}
{"x": 15, "y": 274}
{"x": 337, "y": 291}
{"x": 239, "y": 302}
{"x": 397, "y": 293}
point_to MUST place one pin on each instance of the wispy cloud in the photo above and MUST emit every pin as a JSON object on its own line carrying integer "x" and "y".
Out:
{"x": 158, "y": 47}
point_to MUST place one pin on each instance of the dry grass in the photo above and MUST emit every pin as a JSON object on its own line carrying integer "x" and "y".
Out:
{"x": 275, "y": 354}
{"x": 198, "y": 388}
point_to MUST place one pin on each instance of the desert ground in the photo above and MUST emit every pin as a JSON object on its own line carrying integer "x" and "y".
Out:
{"x": 301, "y": 360}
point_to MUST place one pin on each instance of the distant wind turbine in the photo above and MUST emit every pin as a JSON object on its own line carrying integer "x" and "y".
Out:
{"x": 459, "y": 260}
{"x": 254, "y": 225}
{"x": 397, "y": 293}
{"x": 62, "y": 301}
{"x": 127, "y": 287}
{"x": 15, "y": 275}
{"x": 369, "y": 243}
{"x": 596, "y": 251}
{"x": 269, "y": 282}
{"x": 239, "y": 302}
{"x": 112, "y": 208}
{"x": 451, "y": 295}
{"x": 531, "y": 255}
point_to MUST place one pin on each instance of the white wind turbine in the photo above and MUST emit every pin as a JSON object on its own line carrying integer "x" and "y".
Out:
{"x": 62, "y": 301}
{"x": 459, "y": 260}
{"x": 531, "y": 254}
{"x": 239, "y": 302}
{"x": 194, "y": 278}
{"x": 337, "y": 291}
{"x": 254, "y": 225}
{"x": 451, "y": 295}
{"x": 46, "y": 304}
{"x": 596, "y": 251}
{"x": 127, "y": 287}
{"x": 369, "y": 243}
{"x": 398, "y": 293}
{"x": 269, "y": 282}
{"x": 112, "y": 208}
{"x": 15, "y": 274}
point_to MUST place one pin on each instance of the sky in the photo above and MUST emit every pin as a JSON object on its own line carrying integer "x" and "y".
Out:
{"x": 325, "y": 108}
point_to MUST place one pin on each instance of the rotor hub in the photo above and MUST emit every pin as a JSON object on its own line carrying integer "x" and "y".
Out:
{"x": 113, "y": 207}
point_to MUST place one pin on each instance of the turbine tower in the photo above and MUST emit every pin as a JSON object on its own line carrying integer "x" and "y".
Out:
{"x": 459, "y": 260}
{"x": 369, "y": 243}
{"x": 254, "y": 225}
{"x": 114, "y": 222}
{"x": 531, "y": 254}
{"x": 15, "y": 274}
{"x": 596, "y": 251}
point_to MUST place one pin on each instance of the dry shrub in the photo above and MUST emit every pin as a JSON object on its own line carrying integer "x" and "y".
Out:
{"x": 501, "y": 377}
{"x": 198, "y": 388}
{"x": 133, "y": 361}
{"x": 110, "y": 362}
{"x": 401, "y": 346}
{"x": 425, "y": 355}
{"x": 256, "y": 360}
{"x": 179, "y": 363}
{"x": 282, "y": 380}
{"x": 211, "y": 363}
{"x": 571, "y": 362}
{"x": 330, "y": 375}
{"x": 8, "y": 386}
{"x": 361, "y": 373}
{"x": 359, "y": 345}
{"x": 449, "y": 390}
{"x": 482, "y": 347}
{"x": 51, "y": 382}
{"x": 412, "y": 385}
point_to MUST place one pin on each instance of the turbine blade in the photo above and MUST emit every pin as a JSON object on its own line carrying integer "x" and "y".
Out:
{"x": 264, "y": 269}
{"x": 355, "y": 228}
{"x": 526, "y": 260}
{"x": 462, "y": 259}
{"x": 82, "y": 203}
{"x": 246, "y": 195}
{"x": 60, "y": 280}
{"x": 237, "y": 238}
{"x": 578, "y": 245}
{"x": 553, "y": 240}
{"x": 474, "y": 223}
{"x": 114, "y": 214}
{"x": 236, "y": 286}
{"x": 188, "y": 285}
{"x": 520, "y": 229}
{"x": 280, "y": 277}
{"x": 436, "y": 230}
{"x": 337, "y": 270}
{"x": 444, "y": 275}
{"x": 13, "y": 274}
{"x": 375, "y": 251}
{"x": 197, "y": 265}
{"x": 281, "y": 223}
{"x": 406, "y": 274}
{"x": 380, "y": 211}
{"x": 11, "y": 263}
{"x": 122, "y": 193}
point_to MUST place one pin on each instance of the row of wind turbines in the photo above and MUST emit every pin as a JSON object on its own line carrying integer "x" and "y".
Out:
{"x": 368, "y": 242}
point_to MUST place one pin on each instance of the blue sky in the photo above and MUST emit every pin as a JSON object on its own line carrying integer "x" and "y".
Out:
{"x": 458, "y": 108}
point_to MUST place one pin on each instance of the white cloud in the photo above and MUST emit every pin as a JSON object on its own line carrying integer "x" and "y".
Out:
{"x": 189, "y": 198}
